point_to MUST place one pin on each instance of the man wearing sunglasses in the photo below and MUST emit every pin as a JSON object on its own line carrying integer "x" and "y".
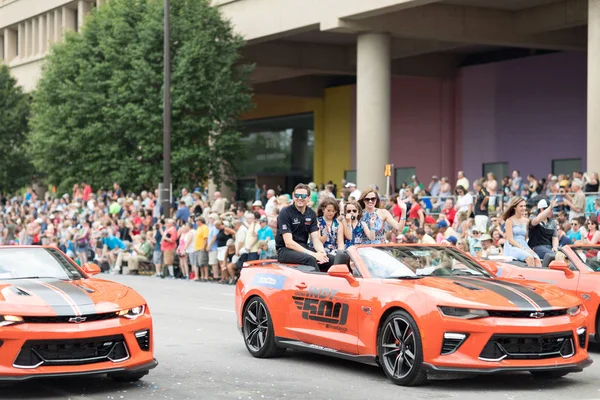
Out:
{"x": 295, "y": 225}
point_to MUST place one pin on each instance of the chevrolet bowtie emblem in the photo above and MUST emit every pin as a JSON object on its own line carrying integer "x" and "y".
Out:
{"x": 536, "y": 315}
{"x": 77, "y": 320}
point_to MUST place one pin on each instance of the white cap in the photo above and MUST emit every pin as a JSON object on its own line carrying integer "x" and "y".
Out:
{"x": 349, "y": 184}
{"x": 542, "y": 203}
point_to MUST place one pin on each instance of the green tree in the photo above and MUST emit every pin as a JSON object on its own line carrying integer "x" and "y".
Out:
{"x": 97, "y": 112}
{"x": 15, "y": 169}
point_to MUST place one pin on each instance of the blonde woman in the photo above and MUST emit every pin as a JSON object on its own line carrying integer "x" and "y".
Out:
{"x": 516, "y": 233}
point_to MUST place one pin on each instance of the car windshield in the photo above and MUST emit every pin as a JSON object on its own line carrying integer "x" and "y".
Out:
{"x": 35, "y": 262}
{"x": 590, "y": 255}
{"x": 417, "y": 261}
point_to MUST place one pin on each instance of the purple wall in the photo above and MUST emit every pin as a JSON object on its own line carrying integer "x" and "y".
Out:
{"x": 526, "y": 112}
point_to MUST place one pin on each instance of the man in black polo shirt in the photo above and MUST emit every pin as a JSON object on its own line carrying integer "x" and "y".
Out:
{"x": 481, "y": 206}
{"x": 543, "y": 232}
{"x": 295, "y": 224}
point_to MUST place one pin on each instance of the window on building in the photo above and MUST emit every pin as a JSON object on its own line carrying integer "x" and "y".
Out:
{"x": 403, "y": 176}
{"x": 566, "y": 166}
{"x": 350, "y": 175}
{"x": 499, "y": 169}
{"x": 277, "y": 152}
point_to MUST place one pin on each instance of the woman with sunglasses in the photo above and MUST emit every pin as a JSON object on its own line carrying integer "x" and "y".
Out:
{"x": 593, "y": 234}
{"x": 376, "y": 217}
{"x": 356, "y": 230}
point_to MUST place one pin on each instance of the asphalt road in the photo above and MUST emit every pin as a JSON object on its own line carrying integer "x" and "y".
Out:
{"x": 202, "y": 356}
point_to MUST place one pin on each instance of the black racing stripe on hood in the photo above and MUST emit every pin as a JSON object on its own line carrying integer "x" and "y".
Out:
{"x": 515, "y": 298}
{"x": 78, "y": 296}
{"x": 54, "y": 300}
{"x": 537, "y": 298}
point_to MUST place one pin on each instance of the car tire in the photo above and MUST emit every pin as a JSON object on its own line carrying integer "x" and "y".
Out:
{"x": 400, "y": 351}
{"x": 548, "y": 374}
{"x": 257, "y": 329}
{"x": 128, "y": 376}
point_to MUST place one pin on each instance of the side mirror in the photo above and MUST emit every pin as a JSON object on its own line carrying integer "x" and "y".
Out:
{"x": 342, "y": 271}
{"x": 91, "y": 269}
{"x": 561, "y": 266}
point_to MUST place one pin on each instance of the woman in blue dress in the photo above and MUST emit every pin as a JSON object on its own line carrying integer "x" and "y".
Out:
{"x": 516, "y": 227}
{"x": 376, "y": 217}
{"x": 355, "y": 229}
{"x": 327, "y": 214}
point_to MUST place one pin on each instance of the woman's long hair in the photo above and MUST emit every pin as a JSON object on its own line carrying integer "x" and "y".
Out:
{"x": 510, "y": 211}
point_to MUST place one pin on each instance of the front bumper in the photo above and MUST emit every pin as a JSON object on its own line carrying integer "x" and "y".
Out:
{"x": 469, "y": 358}
{"x": 573, "y": 367}
{"x": 15, "y": 337}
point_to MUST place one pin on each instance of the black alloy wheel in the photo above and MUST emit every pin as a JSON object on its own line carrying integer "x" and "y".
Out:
{"x": 400, "y": 350}
{"x": 258, "y": 331}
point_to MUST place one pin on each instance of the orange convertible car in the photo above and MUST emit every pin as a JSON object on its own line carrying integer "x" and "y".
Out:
{"x": 576, "y": 268}
{"x": 414, "y": 310}
{"x": 57, "y": 321}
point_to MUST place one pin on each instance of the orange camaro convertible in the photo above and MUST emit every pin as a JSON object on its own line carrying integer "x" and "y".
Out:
{"x": 414, "y": 310}
{"x": 57, "y": 321}
{"x": 576, "y": 268}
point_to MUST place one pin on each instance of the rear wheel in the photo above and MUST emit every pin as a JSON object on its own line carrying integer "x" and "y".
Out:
{"x": 548, "y": 374}
{"x": 400, "y": 350}
{"x": 128, "y": 376}
{"x": 258, "y": 331}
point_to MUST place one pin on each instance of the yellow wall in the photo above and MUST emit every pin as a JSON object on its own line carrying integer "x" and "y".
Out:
{"x": 332, "y": 119}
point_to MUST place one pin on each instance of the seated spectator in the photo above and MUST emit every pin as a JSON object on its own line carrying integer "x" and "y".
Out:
{"x": 442, "y": 227}
{"x": 112, "y": 246}
{"x": 423, "y": 237}
{"x": 295, "y": 225}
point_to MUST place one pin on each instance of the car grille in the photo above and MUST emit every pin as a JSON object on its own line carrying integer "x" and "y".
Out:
{"x": 526, "y": 314}
{"x": 35, "y": 353}
{"x": 528, "y": 347}
{"x": 65, "y": 319}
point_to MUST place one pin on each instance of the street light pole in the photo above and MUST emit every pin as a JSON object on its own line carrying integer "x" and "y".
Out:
{"x": 166, "y": 193}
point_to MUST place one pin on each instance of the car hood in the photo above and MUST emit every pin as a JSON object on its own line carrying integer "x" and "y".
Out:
{"x": 498, "y": 294}
{"x": 48, "y": 297}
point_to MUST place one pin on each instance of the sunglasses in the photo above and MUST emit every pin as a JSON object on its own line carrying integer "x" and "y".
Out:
{"x": 300, "y": 196}
{"x": 373, "y": 199}
{"x": 352, "y": 211}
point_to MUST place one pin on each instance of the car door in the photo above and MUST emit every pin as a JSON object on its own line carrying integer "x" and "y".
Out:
{"x": 323, "y": 311}
{"x": 547, "y": 275}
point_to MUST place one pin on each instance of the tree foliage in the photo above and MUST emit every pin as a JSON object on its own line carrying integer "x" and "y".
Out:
{"x": 15, "y": 168}
{"x": 97, "y": 113}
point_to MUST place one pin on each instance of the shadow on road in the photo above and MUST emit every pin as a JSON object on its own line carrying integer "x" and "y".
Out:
{"x": 60, "y": 388}
{"x": 497, "y": 382}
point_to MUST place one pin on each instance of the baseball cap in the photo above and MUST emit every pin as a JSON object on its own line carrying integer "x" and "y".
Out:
{"x": 257, "y": 203}
{"x": 452, "y": 239}
{"x": 485, "y": 236}
{"x": 442, "y": 224}
{"x": 542, "y": 204}
{"x": 349, "y": 184}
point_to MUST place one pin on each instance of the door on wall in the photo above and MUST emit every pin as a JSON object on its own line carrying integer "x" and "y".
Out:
{"x": 403, "y": 175}
{"x": 499, "y": 169}
{"x": 350, "y": 175}
{"x": 566, "y": 166}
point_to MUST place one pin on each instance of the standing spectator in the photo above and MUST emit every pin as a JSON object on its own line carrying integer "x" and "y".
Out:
{"x": 434, "y": 186}
{"x": 183, "y": 213}
{"x": 240, "y": 239}
{"x": 213, "y": 247}
{"x": 251, "y": 243}
{"x": 517, "y": 182}
{"x": 354, "y": 192}
{"x": 481, "y": 206}
{"x": 219, "y": 204}
{"x": 577, "y": 201}
{"x": 271, "y": 203}
{"x": 157, "y": 255}
{"x": 168, "y": 246}
{"x": 190, "y": 249}
{"x": 462, "y": 181}
{"x": 200, "y": 263}
{"x": 187, "y": 198}
{"x": 591, "y": 182}
{"x": 182, "y": 234}
{"x": 223, "y": 236}
{"x": 416, "y": 212}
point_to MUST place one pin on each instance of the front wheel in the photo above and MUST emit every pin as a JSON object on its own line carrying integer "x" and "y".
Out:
{"x": 400, "y": 350}
{"x": 258, "y": 331}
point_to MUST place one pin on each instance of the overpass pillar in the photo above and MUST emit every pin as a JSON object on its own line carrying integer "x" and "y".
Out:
{"x": 593, "y": 87}
{"x": 373, "y": 88}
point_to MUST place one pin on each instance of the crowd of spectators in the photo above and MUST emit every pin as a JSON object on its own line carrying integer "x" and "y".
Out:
{"x": 209, "y": 239}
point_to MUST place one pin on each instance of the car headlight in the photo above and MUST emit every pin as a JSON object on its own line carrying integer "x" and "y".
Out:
{"x": 132, "y": 313}
{"x": 6, "y": 320}
{"x": 573, "y": 311}
{"x": 463, "y": 313}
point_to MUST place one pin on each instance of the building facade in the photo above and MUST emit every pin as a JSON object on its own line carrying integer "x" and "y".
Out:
{"x": 344, "y": 87}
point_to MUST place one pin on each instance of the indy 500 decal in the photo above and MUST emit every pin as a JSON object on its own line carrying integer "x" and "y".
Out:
{"x": 321, "y": 305}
